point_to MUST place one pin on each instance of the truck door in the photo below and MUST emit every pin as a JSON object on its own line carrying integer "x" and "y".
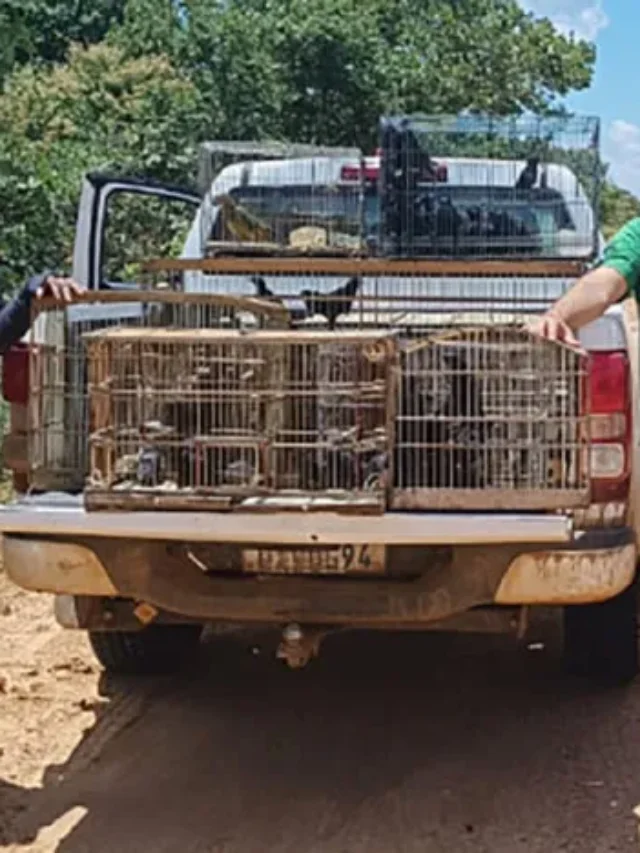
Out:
{"x": 121, "y": 223}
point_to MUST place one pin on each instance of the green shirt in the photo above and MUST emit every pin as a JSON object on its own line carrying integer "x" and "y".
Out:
{"x": 622, "y": 254}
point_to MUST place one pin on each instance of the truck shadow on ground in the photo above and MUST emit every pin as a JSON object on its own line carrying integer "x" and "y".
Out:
{"x": 387, "y": 742}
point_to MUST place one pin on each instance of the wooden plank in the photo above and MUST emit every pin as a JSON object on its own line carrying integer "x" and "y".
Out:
{"x": 100, "y": 500}
{"x": 173, "y": 297}
{"x": 221, "y": 249}
{"x": 369, "y": 267}
{"x": 483, "y": 500}
{"x": 234, "y": 336}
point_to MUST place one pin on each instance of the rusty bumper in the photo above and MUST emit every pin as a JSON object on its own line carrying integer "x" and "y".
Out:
{"x": 422, "y": 584}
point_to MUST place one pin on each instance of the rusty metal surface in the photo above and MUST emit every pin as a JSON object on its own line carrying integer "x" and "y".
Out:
{"x": 449, "y": 582}
{"x": 556, "y": 577}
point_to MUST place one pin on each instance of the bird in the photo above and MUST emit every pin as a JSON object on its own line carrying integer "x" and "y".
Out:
{"x": 263, "y": 292}
{"x": 529, "y": 175}
{"x": 243, "y": 225}
{"x": 151, "y": 467}
{"x": 261, "y": 288}
{"x": 331, "y": 305}
{"x": 440, "y": 432}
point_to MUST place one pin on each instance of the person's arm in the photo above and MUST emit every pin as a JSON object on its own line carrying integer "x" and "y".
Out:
{"x": 587, "y": 300}
{"x": 617, "y": 276}
{"x": 15, "y": 317}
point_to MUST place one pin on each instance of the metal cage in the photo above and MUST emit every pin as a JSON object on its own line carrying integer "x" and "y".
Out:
{"x": 232, "y": 415}
{"x": 179, "y": 401}
{"x": 478, "y": 186}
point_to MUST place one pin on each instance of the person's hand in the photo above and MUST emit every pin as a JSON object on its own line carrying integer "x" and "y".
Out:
{"x": 63, "y": 289}
{"x": 553, "y": 328}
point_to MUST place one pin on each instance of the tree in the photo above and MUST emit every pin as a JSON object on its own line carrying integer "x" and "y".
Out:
{"x": 42, "y": 30}
{"x": 617, "y": 206}
{"x": 324, "y": 70}
{"x": 136, "y": 116}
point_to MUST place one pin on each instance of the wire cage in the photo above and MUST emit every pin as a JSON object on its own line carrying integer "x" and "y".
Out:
{"x": 58, "y": 408}
{"x": 274, "y": 198}
{"x": 202, "y": 413}
{"x": 477, "y": 186}
{"x": 182, "y": 401}
{"x": 490, "y": 418}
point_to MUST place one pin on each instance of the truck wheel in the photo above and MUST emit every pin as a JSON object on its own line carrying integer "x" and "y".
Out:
{"x": 151, "y": 651}
{"x": 601, "y": 640}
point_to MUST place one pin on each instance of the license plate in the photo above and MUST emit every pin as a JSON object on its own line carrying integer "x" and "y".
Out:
{"x": 336, "y": 560}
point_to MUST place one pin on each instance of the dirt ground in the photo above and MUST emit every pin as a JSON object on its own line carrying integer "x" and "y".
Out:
{"x": 415, "y": 744}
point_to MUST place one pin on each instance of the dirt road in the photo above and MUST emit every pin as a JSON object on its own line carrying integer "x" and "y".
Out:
{"x": 415, "y": 744}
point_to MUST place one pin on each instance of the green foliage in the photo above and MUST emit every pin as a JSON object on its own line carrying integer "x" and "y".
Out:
{"x": 42, "y": 30}
{"x": 147, "y": 80}
{"x": 324, "y": 70}
{"x": 617, "y": 206}
{"x": 99, "y": 111}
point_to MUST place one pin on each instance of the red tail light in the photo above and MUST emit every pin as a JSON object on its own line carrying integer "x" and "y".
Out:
{"x": 609, "y": 396}
{"x": 355, "y": 173}
{"x": 15, "y": 374}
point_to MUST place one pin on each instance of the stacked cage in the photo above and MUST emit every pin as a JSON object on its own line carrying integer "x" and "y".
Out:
{"x": 472, "y": 186}
{"x": 295, "y": 369}
{"x": 229, "y": 415}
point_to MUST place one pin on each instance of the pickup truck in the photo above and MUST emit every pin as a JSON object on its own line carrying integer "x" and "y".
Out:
{"x": 454, "y": 517}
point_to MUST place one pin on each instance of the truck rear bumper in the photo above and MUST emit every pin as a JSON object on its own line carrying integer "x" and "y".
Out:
{"x": 67, "y": 517}
{"x": 458, "y": 563}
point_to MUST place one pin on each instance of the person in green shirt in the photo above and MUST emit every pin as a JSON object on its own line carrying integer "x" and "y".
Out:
{"x": 616, "y": 276}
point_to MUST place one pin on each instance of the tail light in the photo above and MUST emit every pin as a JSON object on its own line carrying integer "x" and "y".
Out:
{"x": 609, "y": 396}
{"x": 353, "y": 174}
{"x": 15, "y": 374}
{"x": 371, "y": 172}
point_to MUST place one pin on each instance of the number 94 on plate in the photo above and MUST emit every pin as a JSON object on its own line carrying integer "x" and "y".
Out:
{"x": 321, "y": 560}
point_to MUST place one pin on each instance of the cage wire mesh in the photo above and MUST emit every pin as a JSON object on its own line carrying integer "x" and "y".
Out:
{"x": 279, "y": 197}
{"x": 489, "y": 187}
{"x": 58, "y": 408}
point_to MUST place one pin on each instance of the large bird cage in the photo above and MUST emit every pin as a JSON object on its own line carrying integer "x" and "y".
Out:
{"x": 181, "y": 401}
{"x": 230, "y": 415}
{"x": 476, "y": 186}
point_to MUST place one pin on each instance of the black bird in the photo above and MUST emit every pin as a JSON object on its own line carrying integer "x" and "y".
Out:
{"x": 332, "y": 304}
{"x": 529, "y": 175}
{"x": 264, "y": 292}
{"x": 441, "y": 434}
{"x": 261, "y": 288}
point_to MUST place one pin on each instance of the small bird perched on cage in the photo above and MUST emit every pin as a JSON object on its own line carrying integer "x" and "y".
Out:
{"x": 529, "y": 175}
{"x": 264, "y": 292}
{"x": 151, "y": 467}
{"x": 332, "y": 305}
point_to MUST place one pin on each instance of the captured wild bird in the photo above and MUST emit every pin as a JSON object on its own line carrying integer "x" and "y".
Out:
{"x": 332, "y": 304}
{"x": 240, "y": 223}
{"x": 264, "y": 292}
{"x": 529, "y": 175}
